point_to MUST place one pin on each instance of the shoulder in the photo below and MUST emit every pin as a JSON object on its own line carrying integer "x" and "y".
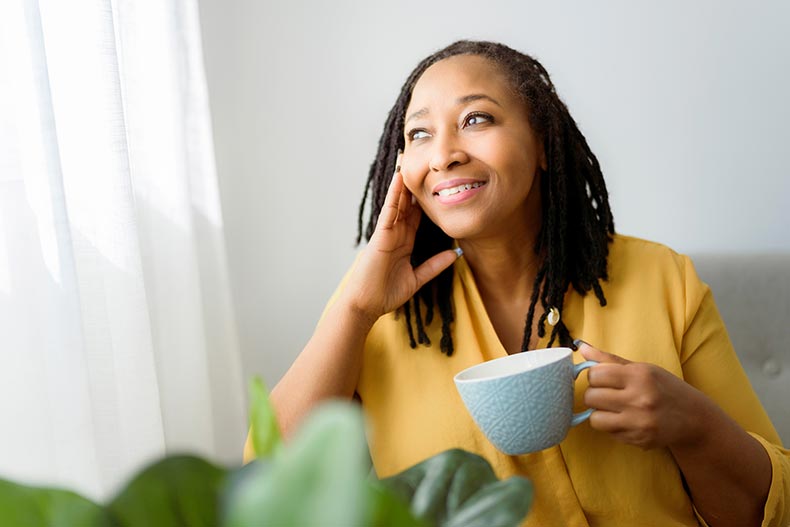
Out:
{"x": 629, "y": 250}
{"x": 646, "y": 268}
{"x": 651, "y": 295}
{"x": 631, "y": 257}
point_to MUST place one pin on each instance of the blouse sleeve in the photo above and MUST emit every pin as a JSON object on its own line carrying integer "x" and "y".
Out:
{"x": 711, "y": 365}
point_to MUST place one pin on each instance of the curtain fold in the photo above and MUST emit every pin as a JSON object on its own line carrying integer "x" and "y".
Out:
{"x": 117, "y": 335}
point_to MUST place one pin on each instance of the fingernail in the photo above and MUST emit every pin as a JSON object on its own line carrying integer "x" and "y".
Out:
{"x": 578, "y": 342}
{"x": 397, "y": 161}
{"x": 413, "y": 200}
{"x": 459, "y": 251}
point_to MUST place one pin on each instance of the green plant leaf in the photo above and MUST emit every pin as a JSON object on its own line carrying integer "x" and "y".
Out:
{"x": 457, "y": 488}
{"x": 384, "y": 508}
{"x": 176, "y": 491}
{"x": 263, "y": 421}
{"x": 318, "y": 479}
{"x": 46, "y": 507}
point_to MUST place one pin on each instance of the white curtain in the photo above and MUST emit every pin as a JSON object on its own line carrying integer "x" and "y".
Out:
{"x": 117, "y": 335}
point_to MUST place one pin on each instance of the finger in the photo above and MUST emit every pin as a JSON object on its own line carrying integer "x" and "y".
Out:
{"x": 389, "y": 211}
{"x": 591, "y": 353}
{"x": 404, "y": 203}
{"x": 604, "y": 421}
{"x": 434, "y": 265}
{"x": 404, "y": 197}
{"x": 413, "y": 217}
{"x": 606, "y": 399}
{"x": 607, "y": 375}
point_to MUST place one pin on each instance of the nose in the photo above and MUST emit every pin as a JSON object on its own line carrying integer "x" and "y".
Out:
{"x": 447, "y": 153}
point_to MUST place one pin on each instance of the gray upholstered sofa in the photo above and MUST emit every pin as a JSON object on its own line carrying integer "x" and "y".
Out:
{"x": 753, "y": 296}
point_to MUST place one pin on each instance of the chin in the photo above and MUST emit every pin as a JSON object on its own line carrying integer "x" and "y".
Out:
{"x": 463, "y": 222}
{"x": 459, "y": 230}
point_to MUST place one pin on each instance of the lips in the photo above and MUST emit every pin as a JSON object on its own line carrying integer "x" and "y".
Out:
{"x": 460, "y": 188}
{"x": 457, "y": 190}
{"x": 455, "y": 186}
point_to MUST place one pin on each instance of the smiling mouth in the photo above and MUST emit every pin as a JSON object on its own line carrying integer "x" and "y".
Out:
{"x": 460, "y": 188}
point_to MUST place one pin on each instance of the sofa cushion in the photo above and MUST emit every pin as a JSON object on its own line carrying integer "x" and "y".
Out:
{"x": 752, "y": 293}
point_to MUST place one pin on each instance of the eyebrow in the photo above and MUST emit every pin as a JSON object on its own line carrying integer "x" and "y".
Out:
{"x": 466, "y": 99}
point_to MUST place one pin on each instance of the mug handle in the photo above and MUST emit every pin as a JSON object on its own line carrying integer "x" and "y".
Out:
{"x": 582, "y": 416}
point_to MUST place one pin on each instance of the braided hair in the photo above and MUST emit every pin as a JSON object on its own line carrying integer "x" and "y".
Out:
{"x": 576, "y": 223}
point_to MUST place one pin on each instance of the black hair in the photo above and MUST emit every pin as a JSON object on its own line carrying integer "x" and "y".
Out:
{"x": 576, "y": 220}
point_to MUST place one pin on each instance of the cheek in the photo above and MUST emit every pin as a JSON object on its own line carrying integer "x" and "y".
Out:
{"x": 408, "y": 180}
{"x": 413, "y": 175}
{"x": 524, "y": 166}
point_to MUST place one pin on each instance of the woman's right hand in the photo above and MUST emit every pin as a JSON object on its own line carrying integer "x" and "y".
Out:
{"x": 384, "y": 278}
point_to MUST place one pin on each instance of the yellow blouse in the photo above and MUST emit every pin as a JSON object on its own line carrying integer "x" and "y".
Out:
{"x": 658, "y": 311}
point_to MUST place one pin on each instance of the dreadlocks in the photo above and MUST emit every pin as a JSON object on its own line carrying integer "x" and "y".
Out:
{"x": 576, "y": 222}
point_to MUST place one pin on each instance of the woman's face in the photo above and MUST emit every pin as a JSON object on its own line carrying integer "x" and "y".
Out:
{"x": 471, "y": 158}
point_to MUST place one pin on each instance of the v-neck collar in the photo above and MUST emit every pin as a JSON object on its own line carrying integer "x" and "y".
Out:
{"x": 467, "y": 277}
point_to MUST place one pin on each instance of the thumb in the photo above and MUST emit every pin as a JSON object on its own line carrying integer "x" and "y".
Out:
{"x": 434, "y": 265}
{"x": 592, "y": 353}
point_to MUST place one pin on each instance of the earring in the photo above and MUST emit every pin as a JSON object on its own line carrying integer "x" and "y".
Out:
{"x": 553, "y": 317}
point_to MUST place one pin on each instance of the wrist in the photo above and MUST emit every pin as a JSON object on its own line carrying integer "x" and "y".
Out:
{"x": 702, "y": 417}
{"x": 360, "y": 315}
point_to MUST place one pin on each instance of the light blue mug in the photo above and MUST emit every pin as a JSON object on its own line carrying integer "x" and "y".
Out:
{"x": 523, "y": 402}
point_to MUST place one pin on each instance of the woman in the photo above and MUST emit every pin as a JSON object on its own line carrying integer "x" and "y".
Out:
{"x": 497, "y": 212}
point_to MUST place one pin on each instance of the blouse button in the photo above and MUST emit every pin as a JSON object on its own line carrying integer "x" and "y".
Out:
{"x": 554, "y": 316}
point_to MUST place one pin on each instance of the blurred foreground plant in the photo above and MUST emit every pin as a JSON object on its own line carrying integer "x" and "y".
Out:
{"x": 320, "y": 478}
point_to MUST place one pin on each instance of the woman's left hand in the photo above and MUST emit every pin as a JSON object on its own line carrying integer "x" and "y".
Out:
{"x": 641, "y": 404}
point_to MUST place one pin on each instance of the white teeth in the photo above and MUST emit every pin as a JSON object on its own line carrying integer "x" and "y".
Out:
{"x": 460, "y": 188}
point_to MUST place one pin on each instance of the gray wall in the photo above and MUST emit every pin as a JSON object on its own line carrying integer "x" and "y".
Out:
{"x": 685, "y": 104}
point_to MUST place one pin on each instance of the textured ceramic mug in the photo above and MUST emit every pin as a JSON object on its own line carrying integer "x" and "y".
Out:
{"x": 523, "y": 402}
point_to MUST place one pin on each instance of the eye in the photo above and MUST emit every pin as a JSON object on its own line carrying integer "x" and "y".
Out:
{"x": 477, "y": 118}
{"x": 417, "y": 133}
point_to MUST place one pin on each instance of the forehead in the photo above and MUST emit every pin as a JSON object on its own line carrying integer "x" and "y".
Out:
{"x": 460, "y": 75}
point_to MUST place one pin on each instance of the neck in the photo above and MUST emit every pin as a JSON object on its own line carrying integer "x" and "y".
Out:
{"x": 505, "y": 267}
